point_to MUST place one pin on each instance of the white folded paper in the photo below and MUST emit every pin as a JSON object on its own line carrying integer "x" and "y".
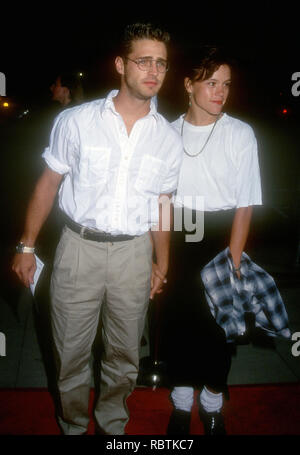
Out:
{"x": 39, "y": 268}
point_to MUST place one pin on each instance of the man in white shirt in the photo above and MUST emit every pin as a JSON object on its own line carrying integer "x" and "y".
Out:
{"x": 113, "y": 158}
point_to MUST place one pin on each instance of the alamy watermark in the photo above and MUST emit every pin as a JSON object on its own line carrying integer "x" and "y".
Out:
{"x": 185, "y": 219}
{"x": 2, "y": 345}
{"x": 296, "y": 85}
{"x": 296, "y": 346}
{"x": 2, "y": 84}
{"x": 156, "y": 212}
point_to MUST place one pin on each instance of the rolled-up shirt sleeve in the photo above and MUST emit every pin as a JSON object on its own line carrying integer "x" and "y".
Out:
{"x": 248, "y": 182}
{"x": 60, "y": 154}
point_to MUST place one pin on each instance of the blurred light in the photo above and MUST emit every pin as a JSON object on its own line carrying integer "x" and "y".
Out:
{"x": 284, "y": 111}
{"x": 26, "y": 112}
{"x": 5, "y": 104}
{"x": 80, "y": 74}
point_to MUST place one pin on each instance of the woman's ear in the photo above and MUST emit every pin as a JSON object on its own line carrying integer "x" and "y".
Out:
{"x": 119, "y": 63}
{"x": 188, "y": 85}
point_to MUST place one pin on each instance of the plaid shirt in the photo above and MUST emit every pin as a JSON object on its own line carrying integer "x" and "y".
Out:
{"x": 229, "y": 297}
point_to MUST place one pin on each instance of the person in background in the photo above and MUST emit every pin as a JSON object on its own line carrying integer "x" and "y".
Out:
{"x": 67, "y": 89}
{"x": 218, "y": 186}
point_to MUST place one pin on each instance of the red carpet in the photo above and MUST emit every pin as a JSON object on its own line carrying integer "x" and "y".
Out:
{"x": 251, "y": 410}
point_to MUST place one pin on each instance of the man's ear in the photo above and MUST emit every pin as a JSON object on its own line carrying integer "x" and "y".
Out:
{"x": 119, "y": 62}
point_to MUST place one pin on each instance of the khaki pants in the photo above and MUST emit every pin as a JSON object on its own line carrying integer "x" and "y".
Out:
{"x": 90, "y": 276}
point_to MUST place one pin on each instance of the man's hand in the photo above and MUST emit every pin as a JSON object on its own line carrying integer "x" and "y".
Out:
{"x": 24, "y": 265}
{"x": 158, "y": 279}
{"x": 161, "y": 244}
{"x": 40, "y": 205}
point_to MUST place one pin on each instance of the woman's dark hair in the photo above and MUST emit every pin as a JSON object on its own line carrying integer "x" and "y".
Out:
{"x": 138, "y": 31}
{"x": 205, "y": 61}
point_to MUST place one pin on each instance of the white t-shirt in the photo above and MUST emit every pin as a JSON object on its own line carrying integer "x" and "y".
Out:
{"x": 226, "y": 173}
{"x": 111, "y": 180}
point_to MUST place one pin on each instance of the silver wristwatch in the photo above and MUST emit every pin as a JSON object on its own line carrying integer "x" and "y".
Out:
{"x": 22, "y": 248}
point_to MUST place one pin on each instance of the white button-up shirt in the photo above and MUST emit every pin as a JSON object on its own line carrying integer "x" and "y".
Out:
{"x": 111, "y": 180}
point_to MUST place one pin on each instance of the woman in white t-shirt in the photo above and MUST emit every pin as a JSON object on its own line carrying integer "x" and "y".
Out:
{"x": 218, "y": 185}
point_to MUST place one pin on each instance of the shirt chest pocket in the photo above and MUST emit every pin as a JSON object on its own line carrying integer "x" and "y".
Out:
{"x": 151, "y": 175}
{"x": 94, "y": 166}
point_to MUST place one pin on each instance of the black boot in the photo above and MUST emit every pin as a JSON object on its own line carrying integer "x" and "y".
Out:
{"x": 213, "y": 422}
{"x": 179, "y": 422}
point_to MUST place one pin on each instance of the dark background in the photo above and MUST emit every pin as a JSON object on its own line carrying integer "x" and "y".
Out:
{"x": 38, "y": 42}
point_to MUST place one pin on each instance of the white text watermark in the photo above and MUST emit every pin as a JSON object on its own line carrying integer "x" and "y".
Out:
{"x": 157, "y": 213}
{"x": 2, "y": 345}
{"x": 2, "y": 84}
{"x": 296, "y": 85}
{"x": 296, "y": 346}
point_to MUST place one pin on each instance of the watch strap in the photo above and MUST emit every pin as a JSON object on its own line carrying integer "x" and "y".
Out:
{"x": 22, "y": 248}
{"x": 28, "y": 249}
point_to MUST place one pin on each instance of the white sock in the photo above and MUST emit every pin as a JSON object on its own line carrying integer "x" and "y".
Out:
{"x": 211, "y": 402}
{"x": 183, "y": 398}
